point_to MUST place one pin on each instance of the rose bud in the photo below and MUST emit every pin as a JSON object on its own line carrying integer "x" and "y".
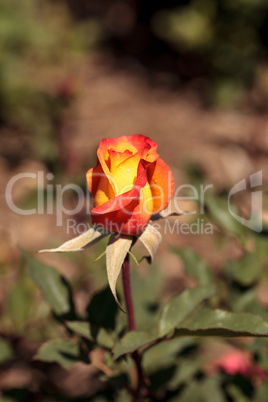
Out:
{"x": 130, "y": 183}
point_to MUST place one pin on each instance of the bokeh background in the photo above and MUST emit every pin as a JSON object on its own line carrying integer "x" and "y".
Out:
{"x": 190, "y": 74}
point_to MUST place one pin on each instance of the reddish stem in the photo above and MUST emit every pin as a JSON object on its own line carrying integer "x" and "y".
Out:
{"x": 128, "y": 295}
{"x": 142, "y": 379}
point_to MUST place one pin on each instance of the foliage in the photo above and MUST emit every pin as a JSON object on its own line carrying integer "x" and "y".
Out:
{"x": 173, "y": 337}
{"x": 225, "y": 34}
{"x": 224, "y": 308}
{"x": 40, "y": 51}
{"x": 172, "y": 346}
{"x": 218, "y": 46}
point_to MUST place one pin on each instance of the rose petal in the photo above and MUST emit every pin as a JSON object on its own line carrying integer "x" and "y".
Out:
{"x": 162, "y": 184}
{"x": 135, "y": 185}
{"x": 99, "y": 185}
{"x": 125, "y": 175}
{"x": 119, "y": 221}
{"x": 120, "y": 144}
{"x": 146, "y": 147}
{"x": 125, "y": 213}
{"x": 122, "y": 200}
{"x": 129, "y": 221}
{"x": 116, "y": 158}
{"x": 93, "y": 178}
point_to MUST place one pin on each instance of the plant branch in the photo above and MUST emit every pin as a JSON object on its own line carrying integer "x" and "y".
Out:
{"x": 128, "y": 295}
{"x": 142, "y": 379}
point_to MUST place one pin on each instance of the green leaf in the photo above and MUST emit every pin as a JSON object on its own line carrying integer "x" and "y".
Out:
{"x": 244, "y": 301}
{"x": 146, "y": 297}
{"x": 62, "y": 351}
{"x": 237, "y": 394}
{"x": 117, "y": 381}
{"x": 150, "y": 238}
{"x": 53, "y": 285}
{"x": 195, "y": 266}
{"x": 223, "y": 323}
{"x": 132, "y": 341}
{"x": 181, "y": 307}
{"x": 186, "y": 369}
{"x": 6, "y": 351}
{"x": 102, "y": 309}
{"x": 247, "y": 270}
{"x": 166, "y": 352}
{"x": 81, "y": 242}
{"x": 219, "y": 213}
{"x": 192, "y": 393}
{"x": 19, "y": 303}
{"x": 211, "y": 388}
{"x": 161, "y": 377}
{"x": 261, "y": 392}
{"x": 116, "y": 252}
{"x": 207, "y": 390}
{"x": 92, "y": 332}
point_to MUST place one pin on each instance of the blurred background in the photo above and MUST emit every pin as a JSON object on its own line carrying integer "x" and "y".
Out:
{"x": 190, "y": 74}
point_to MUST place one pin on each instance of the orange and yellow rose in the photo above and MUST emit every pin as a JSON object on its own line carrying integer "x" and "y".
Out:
{"x": 130, "y": 183}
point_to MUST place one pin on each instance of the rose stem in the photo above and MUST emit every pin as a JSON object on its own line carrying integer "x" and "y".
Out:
{"x": 132, "y": 325}
{"x": 128, "y": 295}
